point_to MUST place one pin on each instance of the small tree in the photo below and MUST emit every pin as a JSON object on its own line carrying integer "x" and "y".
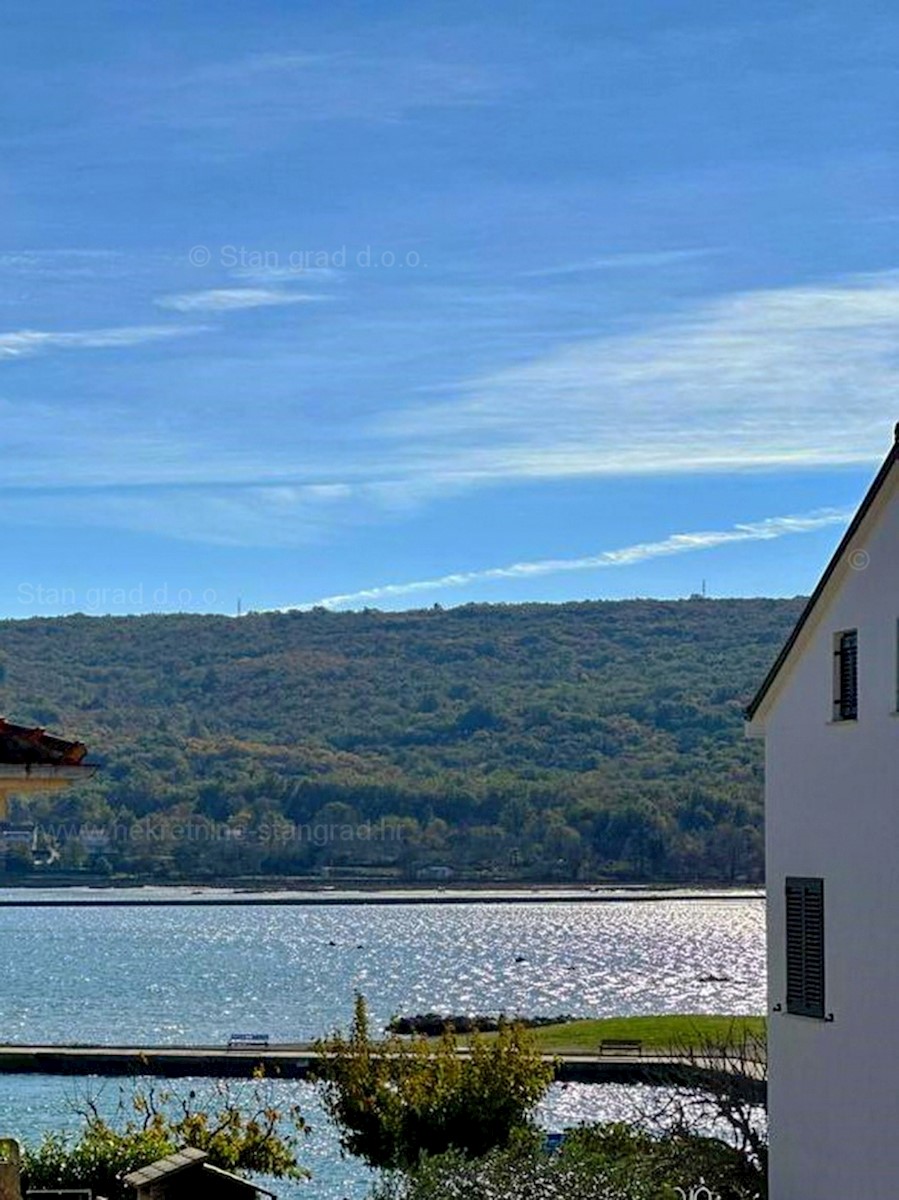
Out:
{"x": 241, "y": 1129}
{"x": 397, "y": 1100}
{"x": 719, "y": 1084}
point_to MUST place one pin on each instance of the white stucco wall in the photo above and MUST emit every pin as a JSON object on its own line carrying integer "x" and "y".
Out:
{"x": 832, "y": 810}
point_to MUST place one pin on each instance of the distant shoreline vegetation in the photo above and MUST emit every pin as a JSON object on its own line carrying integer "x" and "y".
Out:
{"x": 598, "y": 742}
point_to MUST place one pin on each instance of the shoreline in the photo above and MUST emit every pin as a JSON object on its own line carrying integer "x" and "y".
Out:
{"x": 161, "y": 897}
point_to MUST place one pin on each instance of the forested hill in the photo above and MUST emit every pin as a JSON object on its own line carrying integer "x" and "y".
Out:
{"x": 530, "y": 741}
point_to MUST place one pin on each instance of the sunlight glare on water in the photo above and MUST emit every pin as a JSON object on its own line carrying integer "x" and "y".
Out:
{"x": 195, "y": 975}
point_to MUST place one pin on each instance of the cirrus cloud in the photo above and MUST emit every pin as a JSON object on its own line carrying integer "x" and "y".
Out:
{"x": 788, "y": 377}
{"x": 231, "y": 299}
{"x": 26, "y": 342}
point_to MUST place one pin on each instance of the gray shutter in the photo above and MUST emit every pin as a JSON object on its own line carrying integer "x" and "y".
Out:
{"x": 847, "y": 654}
{"x": 805, "y": 946}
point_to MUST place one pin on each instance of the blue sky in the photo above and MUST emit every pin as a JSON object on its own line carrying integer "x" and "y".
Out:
{"x": 396, "y": 304}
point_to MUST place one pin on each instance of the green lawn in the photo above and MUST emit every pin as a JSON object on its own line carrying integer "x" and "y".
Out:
{"x": 656, "y": 1033}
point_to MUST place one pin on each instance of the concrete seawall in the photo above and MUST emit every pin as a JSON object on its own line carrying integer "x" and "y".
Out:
{"x": 298, "y": 1062}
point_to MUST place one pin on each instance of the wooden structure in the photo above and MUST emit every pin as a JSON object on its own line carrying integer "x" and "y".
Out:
{"x": 188, "y": 1175}
{"x": 10, "y": 1168}
{"x": 32, "y": 760}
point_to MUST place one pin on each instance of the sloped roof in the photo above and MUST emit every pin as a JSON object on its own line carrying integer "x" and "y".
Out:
{"x": 164, "y": 1167}
{"x": 23, "y": 744}
{"x": 173, "y": 1164}
{"x": 864, "y": 508}
{"x": 209, "y": 1169}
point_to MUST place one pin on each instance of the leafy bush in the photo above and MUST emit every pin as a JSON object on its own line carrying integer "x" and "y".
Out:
{"x": 397, "y": 1100}
{"x": 600, "y": 1162}
{"x": 243, "y": 1131}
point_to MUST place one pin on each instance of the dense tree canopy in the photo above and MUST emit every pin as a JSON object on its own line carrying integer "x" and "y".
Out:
{"x": 569, "y": 741}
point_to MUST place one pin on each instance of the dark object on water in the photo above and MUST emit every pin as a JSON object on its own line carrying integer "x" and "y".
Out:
{"x": 519, "y": 958}
{"x": 433, "y": 1024}
{"x": 714, "y": 979}
{"x": 20, "y": 745}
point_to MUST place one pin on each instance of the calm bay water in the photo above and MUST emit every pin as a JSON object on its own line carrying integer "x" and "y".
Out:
{"x": 195, "y": 975}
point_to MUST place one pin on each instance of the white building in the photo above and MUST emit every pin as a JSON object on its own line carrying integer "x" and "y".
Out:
{"x": 829, "y": 714}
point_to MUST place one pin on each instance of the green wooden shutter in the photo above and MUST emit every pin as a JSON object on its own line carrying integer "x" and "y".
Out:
{"x": 805, "y": 946}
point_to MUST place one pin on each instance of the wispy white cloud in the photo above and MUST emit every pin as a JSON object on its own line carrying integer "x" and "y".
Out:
{"x": 677, "y": 543}
{"x": 778, "y": 378}
{"x": 261, "y": 97}
{"x": 791, "y": 377}
{"x": 25, "y": 342}
{"x": 628, "y": 261}
{"x": 216, "y": 514}
{"x": 59, "y": 263}
{"x": 288, "y": 274}
{"x": 230, "y": 299}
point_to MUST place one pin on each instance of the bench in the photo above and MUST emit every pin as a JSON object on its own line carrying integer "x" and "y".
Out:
{"x": 620, "y": 1046}
{"x": 248, "y": 1041}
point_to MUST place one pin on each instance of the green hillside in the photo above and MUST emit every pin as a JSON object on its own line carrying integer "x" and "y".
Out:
{"x": 573, "y": 741}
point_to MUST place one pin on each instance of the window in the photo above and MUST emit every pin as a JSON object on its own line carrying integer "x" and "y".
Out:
{"x": 805, "y": 946}
{"x": 845, "y": 676}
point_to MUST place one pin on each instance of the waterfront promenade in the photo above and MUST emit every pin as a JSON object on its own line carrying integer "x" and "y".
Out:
{"x": 297, "y": 1062}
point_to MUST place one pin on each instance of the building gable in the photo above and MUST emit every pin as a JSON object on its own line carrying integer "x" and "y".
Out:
{"x": 877, "y": 499}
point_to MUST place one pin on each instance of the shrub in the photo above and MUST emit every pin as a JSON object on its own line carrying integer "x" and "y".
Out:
{"x": 601, "y": 1162}
{"x": 396, "y": 1100}
{"x": 241, "y": 1131}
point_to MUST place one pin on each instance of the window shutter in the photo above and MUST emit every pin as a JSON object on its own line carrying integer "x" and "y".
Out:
{"x": 846, "y": 702}
{"x": 805, "y": 946}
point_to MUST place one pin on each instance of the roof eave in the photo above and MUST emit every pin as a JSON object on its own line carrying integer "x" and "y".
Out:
{"x": 756, "y": 709}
